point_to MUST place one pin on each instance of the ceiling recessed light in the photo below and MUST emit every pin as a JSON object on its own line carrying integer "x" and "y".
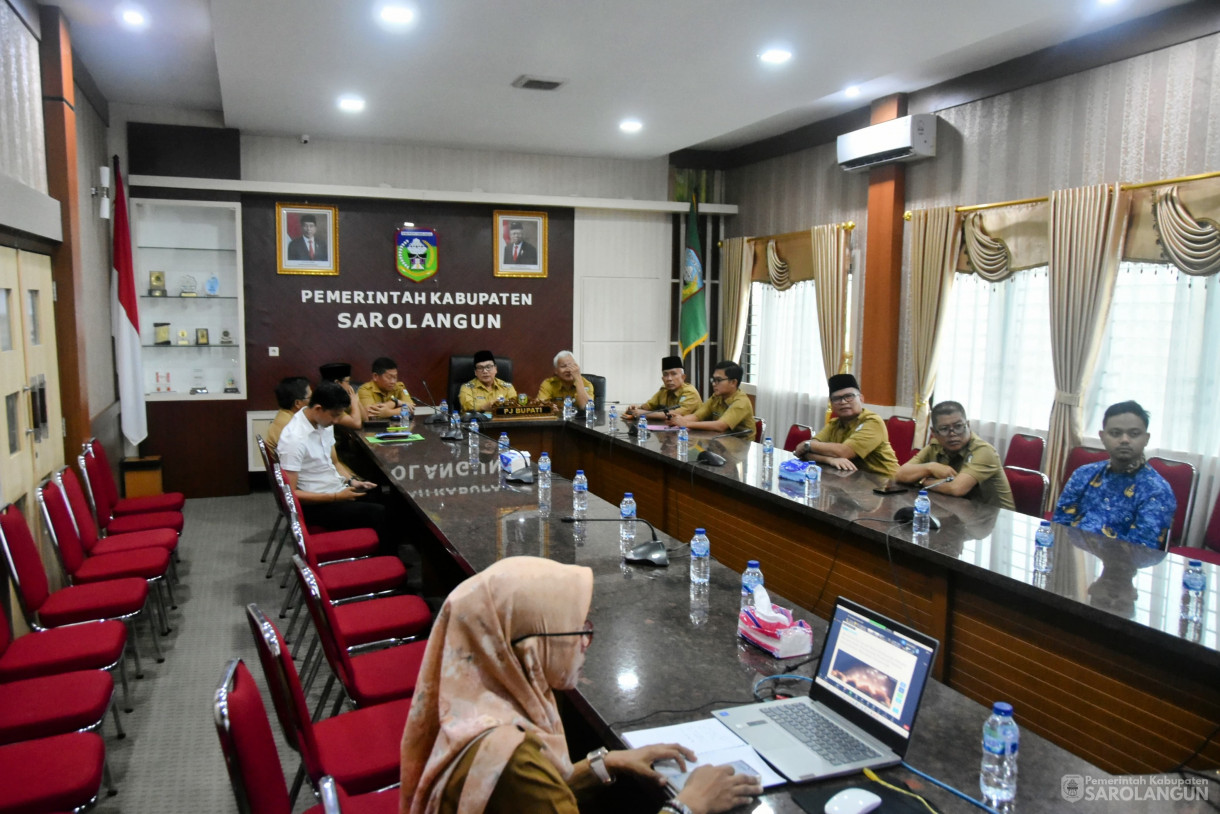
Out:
{"x": 397, "y": 15}
{"x": 133, "y": 17}
{"x": 851, "y": 91}
{"x": 775, "y": 56}
{"x": 630, "y": 125}
{"x": 1107, "y": 2}
{"x": 351, "y": 104}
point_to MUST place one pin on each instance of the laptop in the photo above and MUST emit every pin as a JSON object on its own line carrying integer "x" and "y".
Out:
{"x": 861, "y": 708}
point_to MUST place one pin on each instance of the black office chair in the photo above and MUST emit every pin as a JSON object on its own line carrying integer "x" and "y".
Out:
{"x": 461, "y": 370}
{"x": 599, "y": 389}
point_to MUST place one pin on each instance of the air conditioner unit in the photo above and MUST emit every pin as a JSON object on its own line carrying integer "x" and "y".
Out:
{"x": 907, "y": 139}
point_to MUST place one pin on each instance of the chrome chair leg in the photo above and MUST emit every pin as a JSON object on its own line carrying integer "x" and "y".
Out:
{"x": 296, "y": 785}
{"x": 304, "y": 622}
{"x": 317, "y": 713}
{"x": 118, "y": 723}
{"x": 279, "y": 518}
{"x": 338, "y": 703}
{"x": 152, "y": 633}
{"x": 122, "y": 668}
{"x": 165, "y": 628}
{"x": 288, "y": 597}
{"x": 275, "y": 557}
{"x": 307, "y": 685}
{"x": 108, "y": 778}
{"x": 169, "y": 589}
{"x": 173, "y": 567}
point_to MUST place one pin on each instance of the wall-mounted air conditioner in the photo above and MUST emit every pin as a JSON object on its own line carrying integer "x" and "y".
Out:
{"x": 907, "y": 139}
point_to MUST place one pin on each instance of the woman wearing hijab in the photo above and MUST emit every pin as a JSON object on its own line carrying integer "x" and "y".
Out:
{"x": 484, "y": 734}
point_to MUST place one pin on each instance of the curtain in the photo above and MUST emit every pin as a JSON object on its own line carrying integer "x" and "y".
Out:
{"x": 777, "y": 268}
{"x": 1191, "y": 245}
{"x": 989, "y": 256}
{"x": 935, "y": 243}
{"x": 831, "y": 259}
{"x": 791, "y": 387}
{"x": 737, "y": 258}
{"x": 1087, "y": 225}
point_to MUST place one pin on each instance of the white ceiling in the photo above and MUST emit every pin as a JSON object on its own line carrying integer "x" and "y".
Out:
{"x": 688, "y": 69}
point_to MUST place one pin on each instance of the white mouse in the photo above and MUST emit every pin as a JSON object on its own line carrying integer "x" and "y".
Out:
{"x": 852, "y": 801}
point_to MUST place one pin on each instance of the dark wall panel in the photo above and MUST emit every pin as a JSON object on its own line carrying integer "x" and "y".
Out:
{"x": 179, "y": 150}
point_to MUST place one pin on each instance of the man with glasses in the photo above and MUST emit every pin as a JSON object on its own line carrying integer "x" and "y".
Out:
{"x": 1122, "y": 497}
{"x": 483, "y": 392}
{"x": 854, "y": 437}
{"x": 676, "y": 396}
{"x": 956, "y": 452}
{"x": 728, "y": 410}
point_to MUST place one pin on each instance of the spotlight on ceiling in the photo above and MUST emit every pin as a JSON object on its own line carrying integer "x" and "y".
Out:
{"x": 775, "y": 56}
{"x": 851, "y": 91}
{"x": 630, "y": 125}
{"x": 351, "y": 104}
{"x": 133, "y": 17}
{"x": 397, "y": 15}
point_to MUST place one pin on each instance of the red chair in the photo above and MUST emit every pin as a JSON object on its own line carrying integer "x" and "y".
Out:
{"x": 1210, "y": 551}
{"x": 1181, "y": 477}
{"x": 103, "y": 515}
{"x": 902, "y": 437}
{"x": 56, "y": 705}
{"x": 328, "y": 546}
{"x": 91, "y": 536}
{"x": 797, "y": 435}
{"x": 360, "y": 749}
{"x": 1029, "y": 488}
{"x": 760, "y": 429}
{"x": 60, "y": 773}
{"x": 108, "y": 491}
{"x": 253, "y": 762}
{"x": 1025, "y": 451}
{"x": 87, "y": 646}
{"x": 1078, "y": 457}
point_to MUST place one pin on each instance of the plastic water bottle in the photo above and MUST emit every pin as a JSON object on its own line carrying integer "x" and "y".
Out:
{"x": 998, "y": 773}
{"x": 544, "y": 469}
{"x": 921, "y": 522}
{"x": 473, "y": 437}
{"x": 683, "y": 443}
{"x": 750, "y": 578}
{"x": 768, "y": 452}
{"x": 1044, "y": 540}
{"x": 455, "y": 421}
{"x": 404, "y": 414}
{"x": 699, "y": 604}
{"x": 590, "y": 413}
{"x": 626, "y": 525}
{"x": 813, "y": 481}
{"x": 1194, "y": 583}
{"x": 568, "y": 409}
{"x": 544, "y": 496}
{"x": 580, "y": 493}
{"x": 444, "y": 409}
{"x": 502, "y": 445}
{"x": 641, "y": 426}
{"x": 700, "y": 558}
{"x": 612, "y": 416}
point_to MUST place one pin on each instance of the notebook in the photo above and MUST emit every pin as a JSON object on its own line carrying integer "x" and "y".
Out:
{"x": 861, "y": 708}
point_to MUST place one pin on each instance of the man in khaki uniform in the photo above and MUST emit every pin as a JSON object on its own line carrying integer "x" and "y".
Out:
{"x": 677, "y": 396}
{"x": 567, "y": 381}
{"x": 485, "y": 391}
{"x": 384, "y": 395}
{"x": 955, "y": 451}
{"x": 728, "y": 410}
{"x": 855, "y": 437}
{"x": 291, "y": 395}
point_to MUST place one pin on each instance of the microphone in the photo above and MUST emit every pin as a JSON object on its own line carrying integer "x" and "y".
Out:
{"x": 651, "y": 552}
{"x": 907, "y": 513}
{"x": 523, "y": 475}
{"x": 436, "y": 417}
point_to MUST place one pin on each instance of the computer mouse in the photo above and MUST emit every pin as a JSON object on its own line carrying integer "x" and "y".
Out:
{"x": 852, "y": 801}
{"x": 710, "y": 458}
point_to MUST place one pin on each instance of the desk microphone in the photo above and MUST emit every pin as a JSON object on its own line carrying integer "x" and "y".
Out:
{"x": 523, "y": 475}
{"x": 651, "y": 552}
{"x": 907, "y": 513}
{"x": 436, "y": 417}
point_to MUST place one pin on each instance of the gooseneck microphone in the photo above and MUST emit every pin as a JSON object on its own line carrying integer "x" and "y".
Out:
{"x": 907, "y": 513}
{"x": 650, "y": 552}
{"x": 436, "y": 417}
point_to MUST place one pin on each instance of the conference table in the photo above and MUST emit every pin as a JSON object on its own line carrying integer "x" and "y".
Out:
{"x": 663, "y": 654}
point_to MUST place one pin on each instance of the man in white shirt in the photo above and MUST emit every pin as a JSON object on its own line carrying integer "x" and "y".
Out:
{"x": 329, "y": 494}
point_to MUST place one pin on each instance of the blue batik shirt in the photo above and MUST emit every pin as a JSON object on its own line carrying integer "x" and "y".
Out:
{"x": 1137, "y": 507}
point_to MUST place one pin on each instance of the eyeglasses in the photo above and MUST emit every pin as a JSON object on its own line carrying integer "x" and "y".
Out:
{"x": 844, "y": 399}
{"x": 587, "y": 632}
{"x": 718, "y": 379}
{"x": 486, "y": 366}
{"x": 952, "y": 429}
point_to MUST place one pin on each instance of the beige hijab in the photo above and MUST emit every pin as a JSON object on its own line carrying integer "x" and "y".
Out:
{"x": 473, "y": 681}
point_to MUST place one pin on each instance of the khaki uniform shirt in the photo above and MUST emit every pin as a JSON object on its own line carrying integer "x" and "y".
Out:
{"x": 370, "y": 394}
{"x": 736, "y": 412}
{"x": 555, "y": 388}
{"x": 979, "y": 460}
{"x": 272, "y": 437}
{"x": 476, "y": 396}
{"x": 529, "y": 782}
{"x": 867, "y": 437}
{"x": 683, "y": 401}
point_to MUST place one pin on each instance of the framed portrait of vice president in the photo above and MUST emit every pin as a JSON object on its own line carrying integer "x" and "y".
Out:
{"x": 307, "y": 239}
{"x": 520, "y": 245}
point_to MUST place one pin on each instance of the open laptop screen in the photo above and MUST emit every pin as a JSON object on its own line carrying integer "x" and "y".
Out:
{"x": 874, "y": 665}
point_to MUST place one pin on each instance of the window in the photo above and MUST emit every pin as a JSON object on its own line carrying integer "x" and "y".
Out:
{"x": 785, "y": 354}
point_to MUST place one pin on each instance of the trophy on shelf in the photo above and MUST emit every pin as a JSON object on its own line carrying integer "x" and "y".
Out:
{"x": 197, "y": 386}
{"x": 190, "y": 287}
{"x": 183, "y": 339}
{"x": 226, "y": 338}
{"x": 201, "y": 336}
{"x": 156, "y": 283}
{"x": 231, "y": 385}
{"x": 212, "y": 286}
{"x": 163, "y": 382}
{"x": 161, "y": 333}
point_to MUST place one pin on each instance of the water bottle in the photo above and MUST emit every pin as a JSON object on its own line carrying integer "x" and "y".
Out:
{"x": 580, "y": 493}
{"x": 998, "y": 773}
{"x": 502, "y": 445}
{"x": 768, "y": 452}
{"x": 612, "y": 416}
{"x": 568, "y": 409}
{"x": 444, "y": 408}
{"x": 473, "y": 437}
{"x": 921, "y": 522}
{"x": 544, "y": 496}
{"x": 626, "y": 525}
{"x": 699, "y": 604}
{"x": 641, "y": 426}
{"x": 590, "y": 413}
{"x": 455, "y": 421}
{"x": 750, "y": 578}
{"x": 1194, "y": 583}
{"x": 700, "y": 558}
{"x": 813, "y": 481}
{"x": 544, "y": 469}
{"x": 683, "y": 443}
{"x": 1044, "y": 539}
{"x": 404, "y": 414}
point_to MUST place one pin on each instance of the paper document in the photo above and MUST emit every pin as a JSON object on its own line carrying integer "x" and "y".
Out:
{"x": 713, "y": 744}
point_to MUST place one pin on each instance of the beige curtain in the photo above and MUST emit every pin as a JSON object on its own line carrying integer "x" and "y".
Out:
{"x": 1087, "y": 226}
{"x": 989, "y": 256}
{"x": 831, "y": 260}
{"x": 737, "y": 258}
{"x": 777, "y": 269}
{"x": 935, "y": 244}
{"x": 1190, "y": 244}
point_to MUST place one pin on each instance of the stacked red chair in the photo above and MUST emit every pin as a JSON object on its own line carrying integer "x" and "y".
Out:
{"x": 60, "y": 773}
{"x": 106, "y": 491}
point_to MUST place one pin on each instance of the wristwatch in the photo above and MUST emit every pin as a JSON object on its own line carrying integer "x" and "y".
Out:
{"x": 597, "y": 762}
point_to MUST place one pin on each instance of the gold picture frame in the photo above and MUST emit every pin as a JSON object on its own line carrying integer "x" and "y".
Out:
{"x": 293, "y": 250}
{"x": 523, "y": 254}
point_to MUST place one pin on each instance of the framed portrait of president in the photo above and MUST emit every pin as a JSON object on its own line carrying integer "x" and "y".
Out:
{"x": 307, "y": 239}
{"x": 520, "y": 244}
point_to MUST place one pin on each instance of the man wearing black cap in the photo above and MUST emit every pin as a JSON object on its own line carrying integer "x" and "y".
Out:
{"x": 518, "y": 252}
{"x": 855, "y": 437}
{"x": 341, "y": 373}
{"x": 676, "y": 397}
{"x": 483, "y": 392}
{"x": 728, "y": 409}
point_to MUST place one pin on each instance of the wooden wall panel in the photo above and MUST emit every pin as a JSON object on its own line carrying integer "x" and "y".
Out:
{"x": 202, "y": 445}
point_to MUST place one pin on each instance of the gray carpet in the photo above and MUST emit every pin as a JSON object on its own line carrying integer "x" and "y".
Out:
{"x": 170, "y": 761}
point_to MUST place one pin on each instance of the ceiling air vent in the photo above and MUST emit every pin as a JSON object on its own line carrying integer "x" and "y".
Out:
{"x": 537, "y": 83}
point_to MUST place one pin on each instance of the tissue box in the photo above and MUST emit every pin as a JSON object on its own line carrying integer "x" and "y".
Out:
{"x": 783, "y": 639}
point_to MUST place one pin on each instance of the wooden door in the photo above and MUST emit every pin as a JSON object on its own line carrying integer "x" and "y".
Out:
{"x": 41, "y": 364}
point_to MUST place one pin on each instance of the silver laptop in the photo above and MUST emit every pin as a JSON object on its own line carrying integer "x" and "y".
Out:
{"x": 861, "y": 707}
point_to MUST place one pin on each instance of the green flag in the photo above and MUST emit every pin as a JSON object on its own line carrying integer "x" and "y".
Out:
{"x": 692, "y": 315}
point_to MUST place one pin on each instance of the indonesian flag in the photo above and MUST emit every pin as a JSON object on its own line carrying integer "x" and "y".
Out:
{"x": 125, "y": 322}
